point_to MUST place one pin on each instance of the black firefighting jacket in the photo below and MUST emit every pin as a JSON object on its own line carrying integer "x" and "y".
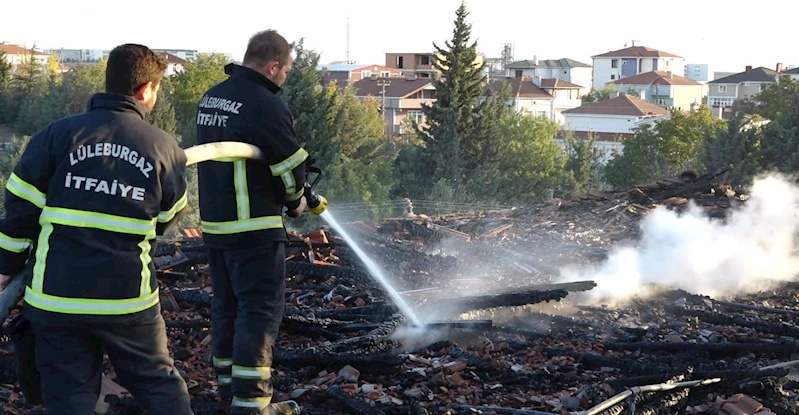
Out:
{"x": 88, "y": 195}
{"x": 241, "y": 201}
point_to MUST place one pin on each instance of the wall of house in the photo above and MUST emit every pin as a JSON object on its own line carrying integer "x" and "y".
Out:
{"x": 518, "y": 73}
{"x": 604, "y": 72}
{"x": 537, "y": 107}
{"x": 606, "y": 149}
{"x": 722, "y": 97}
{"x": 18, "y": 59}
{"x": 582, "y": 77}
{"x": 685, "y": 95}
{"x": 377, "y": 70}
{"x": 600, "y": 123}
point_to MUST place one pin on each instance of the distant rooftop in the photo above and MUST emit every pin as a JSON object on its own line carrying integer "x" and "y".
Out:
{"x": 761, "y": 74}
{"x": 637, "y": 52}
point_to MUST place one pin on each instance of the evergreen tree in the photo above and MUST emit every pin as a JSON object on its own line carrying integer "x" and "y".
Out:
{"x": 450, "y": 121}
{"x": 6, "y": 107}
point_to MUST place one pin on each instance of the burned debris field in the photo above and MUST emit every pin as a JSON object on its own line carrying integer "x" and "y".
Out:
{"x": 505, "y": 335}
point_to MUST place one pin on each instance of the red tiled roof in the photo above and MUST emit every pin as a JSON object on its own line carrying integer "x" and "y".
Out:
{"x": 18, "y": 50}
{"x": 554, "y": 83}
{"x": 172, "y": 59}
{"x": 521, "y": 88}
{"x": 656, "y": 78}
{"x": 621, "y": 105}
{"x": 636, "y": 52}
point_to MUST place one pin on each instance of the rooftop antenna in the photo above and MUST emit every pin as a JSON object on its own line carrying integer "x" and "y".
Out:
{"x": 348, "y": 40}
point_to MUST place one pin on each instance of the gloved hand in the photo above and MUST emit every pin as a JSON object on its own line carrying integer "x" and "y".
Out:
{"x": 296, "y": 212}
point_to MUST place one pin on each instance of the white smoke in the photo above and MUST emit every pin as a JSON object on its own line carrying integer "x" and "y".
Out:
{"x": 749, "y": 252}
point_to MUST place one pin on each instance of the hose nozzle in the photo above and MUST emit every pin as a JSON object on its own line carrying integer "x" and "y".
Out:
{"x": 317, "y": 203}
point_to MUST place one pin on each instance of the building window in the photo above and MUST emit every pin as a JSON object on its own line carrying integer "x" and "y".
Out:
{"x": 662, "y": 102}
{"x": 614, "y": 63}
{"x": 366, "y": 74}
{"x": 424, "y": 60}
{"x": 762, "y": 87}
{"x": 612, "y": 77}
{"x": 541, "y": 113}
{"x": 416, "y": 116}
{"x": 519, "y": 73}
{"x": 722, "y": 88}
{"x": 385, "y": 74}
{"x": 721, "y": 102}
{"x": 399, "y": 62}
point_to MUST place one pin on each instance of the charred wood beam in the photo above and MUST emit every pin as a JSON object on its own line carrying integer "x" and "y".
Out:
{"x": 370, "y": 339}
{"x": 666, "y": 405}
{"x": 191, "y": 296}
{"x": 709, "y": 347}
{"x": 568, "y": 286}
{"x": 324, "y": 271}
{"x": 512, "y": 299}
{"x": 384, "y": 310}
{"x": 771, "y": 310}
{"x": 354, "y": 405}
{"x": 471, "y": 359}
{"x": 727, "y": 320}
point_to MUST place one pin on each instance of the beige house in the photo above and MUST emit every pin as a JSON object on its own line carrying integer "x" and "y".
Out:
{"x": 15, "y": 55}
{"x": 401, "y": 98}
{"x": 723, "y": 92}
{"x": 663, "y": 88}
{"x": 419, "y": 64}
{"x": 541, "y": 97}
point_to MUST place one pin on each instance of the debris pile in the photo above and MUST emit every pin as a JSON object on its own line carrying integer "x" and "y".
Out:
{"x": 506, "y": 338}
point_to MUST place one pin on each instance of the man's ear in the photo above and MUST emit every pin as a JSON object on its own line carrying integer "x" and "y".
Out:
{"x": 272, "y": 67}
{"x": 144, "y": 92}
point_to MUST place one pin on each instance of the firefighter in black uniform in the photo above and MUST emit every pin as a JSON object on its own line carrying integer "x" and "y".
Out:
{"x": 87, "y": 197}
{"x": 241, "y": 207}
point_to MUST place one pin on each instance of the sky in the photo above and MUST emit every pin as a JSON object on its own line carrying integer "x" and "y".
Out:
{"x": 700, "y": 31}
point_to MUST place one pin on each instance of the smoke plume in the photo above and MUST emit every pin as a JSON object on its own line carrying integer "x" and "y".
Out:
{"x": 750, "y": 251}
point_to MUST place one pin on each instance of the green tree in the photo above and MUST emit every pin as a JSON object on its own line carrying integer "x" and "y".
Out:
{"x": 583, "y": 163}
{"x": 739, "y": 144}
{"x": 342, "y": 133}
{"x": 6, "y": 107}
{"x": 163, "y": 114}
{"x": 531, "y": 162}
{"x": 13, "y": 151}
{"x": 196, "y": 77}
{"x": 664, "y": 149}
{"x": 450, "y": 121}
{"x": 597, "y": 95}
{"x": 29, "y": 85}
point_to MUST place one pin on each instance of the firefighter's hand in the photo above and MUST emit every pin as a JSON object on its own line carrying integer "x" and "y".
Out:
{"x": 4, "y": 280}
{"x": 295, "y": 213}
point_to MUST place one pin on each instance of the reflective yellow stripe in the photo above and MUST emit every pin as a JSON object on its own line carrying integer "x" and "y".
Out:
{"x": 168, "y": 215}
{"x": 284, "y": 170}
{"x": 25, "y": 190}
{"x": 289, "y": 163}
{"x": 251, "y": 402}
{"x": 16, "y": 245}
{"x": 240, "y": 183}
{"x": 89, "y": 305}
{"x": 222, "y": 362}
{"x": 246, "y": 372}
{"x": 239, "y": 226}
{"x": 95, "y": 220}
{"x": 34, "y": 294}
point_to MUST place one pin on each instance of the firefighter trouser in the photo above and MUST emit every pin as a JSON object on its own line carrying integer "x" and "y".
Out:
{"x": 70, "y": 360}
{"x": 246, "y": 313}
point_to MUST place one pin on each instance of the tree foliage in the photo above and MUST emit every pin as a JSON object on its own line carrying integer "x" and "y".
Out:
{"x": 664, "y": 148}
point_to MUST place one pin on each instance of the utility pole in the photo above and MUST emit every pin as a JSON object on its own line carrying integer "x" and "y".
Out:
{"x": 383, "y": 83}
{"x": 348, "y": 40}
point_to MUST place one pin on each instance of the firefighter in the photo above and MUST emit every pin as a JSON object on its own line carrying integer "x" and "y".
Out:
{"x": 87, "y": 197}
{"x": 241, "y": 207}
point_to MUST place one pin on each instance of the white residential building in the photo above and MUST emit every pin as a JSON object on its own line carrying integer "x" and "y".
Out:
{"x": 565, "y": 69}
{"x": 664, "y": 88}
{"x": 542, "y": 97}
{"x": 68, "y": 56}
{"x": 699, "y": 72}
{"x": 17, "y": 55}
{"x": 612, "y": 121}
{"x": 624, "y": 63}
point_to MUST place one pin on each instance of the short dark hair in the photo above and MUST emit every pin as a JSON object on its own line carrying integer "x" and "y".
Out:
{"x": 130, "y": 66}
{"x": 267, "y": 46}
